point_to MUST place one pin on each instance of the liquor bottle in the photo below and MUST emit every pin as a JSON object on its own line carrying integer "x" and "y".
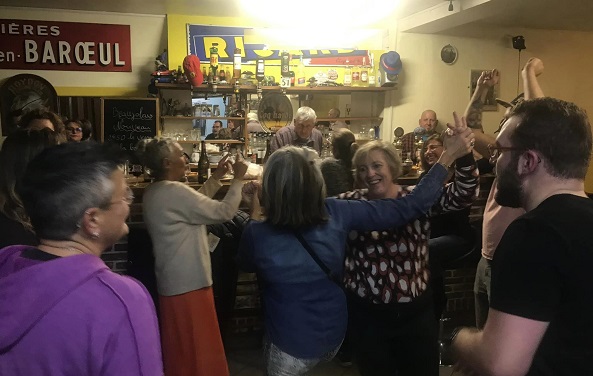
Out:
{"x": 260, "y": 70}
{"x": 301, "y": 79}
{"x": 237, "y": 65}
{"x": 222, "y": 75}
{"x": 364, "y": 73}
{"x": 284, "y": 63}
{"x": 372, "y": 78}
{"x": 203, "y": 165}
{"x": 356, "y": 75}
{"x": 205, "y": 74}
{"x": 268, "y": 151}
{"x": 214, "y": 59}
{"x": 348, "y": 74}
{"x": 179, "y": 75}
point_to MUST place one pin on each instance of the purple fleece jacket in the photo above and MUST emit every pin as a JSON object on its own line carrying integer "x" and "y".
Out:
{"x": 74, "y": 316}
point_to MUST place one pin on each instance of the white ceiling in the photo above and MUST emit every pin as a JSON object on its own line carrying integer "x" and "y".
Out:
{"x": 474, "y": 14}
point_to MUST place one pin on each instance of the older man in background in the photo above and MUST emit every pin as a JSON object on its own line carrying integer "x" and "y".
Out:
{"x": 301, "y": 132}
{"x": 426, "y": 127}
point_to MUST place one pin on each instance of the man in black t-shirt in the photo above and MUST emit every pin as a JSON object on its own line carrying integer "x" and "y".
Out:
{"x": 539, "y": 322}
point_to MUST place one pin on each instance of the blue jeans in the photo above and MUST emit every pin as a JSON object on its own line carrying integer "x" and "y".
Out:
{"x": 279, "y": 363}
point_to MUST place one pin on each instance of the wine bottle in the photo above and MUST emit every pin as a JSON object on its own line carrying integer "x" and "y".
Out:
{"x": 268, "y": 151}
{"x": 214, "y": 59}
{"x": 203, "y": 165}
{"x": 284, "y": 63}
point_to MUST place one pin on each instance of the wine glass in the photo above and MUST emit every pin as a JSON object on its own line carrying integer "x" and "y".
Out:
{"x": 136, "y": 170}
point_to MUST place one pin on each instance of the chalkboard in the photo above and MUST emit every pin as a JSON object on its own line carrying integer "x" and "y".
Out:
{"x": 125, "y": 121}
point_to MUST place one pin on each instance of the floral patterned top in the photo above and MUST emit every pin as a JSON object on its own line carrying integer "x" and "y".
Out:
{"x": 392, "y": 266}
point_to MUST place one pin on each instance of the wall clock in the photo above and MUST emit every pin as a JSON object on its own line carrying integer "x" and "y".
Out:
{"x": 449, "y": 54}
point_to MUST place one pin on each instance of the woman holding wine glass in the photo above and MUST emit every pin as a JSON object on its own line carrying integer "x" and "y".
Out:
{"x": 176, "y": 216}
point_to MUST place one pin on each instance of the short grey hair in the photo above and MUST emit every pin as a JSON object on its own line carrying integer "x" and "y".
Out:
{"x": 153, "y": 151}
{"x": 64, "y": 181}
{"x": 305, "y": 113}
{"x": 293, "y": 190}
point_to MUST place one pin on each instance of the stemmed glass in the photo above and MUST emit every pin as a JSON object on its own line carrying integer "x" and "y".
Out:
{"x": 136, "y": 170}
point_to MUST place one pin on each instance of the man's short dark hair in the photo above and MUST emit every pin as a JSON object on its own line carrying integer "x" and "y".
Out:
{"x": 559, "y": 131}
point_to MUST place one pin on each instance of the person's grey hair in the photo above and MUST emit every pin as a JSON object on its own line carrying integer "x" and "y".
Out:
{"x": 293, "y": 190}
{"x": 392, "y": 158}
{"x": 305, "y": 113}
{"x": 56, "y": 194}
{"x": 153, "y": 151}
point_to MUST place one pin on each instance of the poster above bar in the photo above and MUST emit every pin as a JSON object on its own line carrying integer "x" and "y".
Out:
{"x": 66, "y": 46}
{"x": 201, "y": 38}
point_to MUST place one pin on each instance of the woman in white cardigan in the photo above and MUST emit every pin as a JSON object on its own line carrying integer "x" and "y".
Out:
{"x": 176, "y": 216}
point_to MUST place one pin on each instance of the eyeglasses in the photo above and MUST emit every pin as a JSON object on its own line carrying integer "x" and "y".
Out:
{"x": 496, "y": 150}
{"x": 128, "y": 197}
{"x": 75, "y": 130}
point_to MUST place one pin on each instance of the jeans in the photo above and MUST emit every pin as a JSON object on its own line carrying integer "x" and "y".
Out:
{"x": 279, "y": 363}
{"x": 482, "y": 291}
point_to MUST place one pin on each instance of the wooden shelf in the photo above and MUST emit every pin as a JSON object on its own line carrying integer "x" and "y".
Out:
{"x": 212, "y": 141}
{"x": 351, "y": 118}
{"x": 228, "y": 89}
{"x": 201, "y": 117}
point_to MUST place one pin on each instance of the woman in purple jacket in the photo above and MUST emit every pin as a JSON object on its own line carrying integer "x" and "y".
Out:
{"x": 62, "y": 311}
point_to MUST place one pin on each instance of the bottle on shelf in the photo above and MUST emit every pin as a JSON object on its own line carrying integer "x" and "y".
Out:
{"x": 221, "y": 75}
{"x": 372, "y": 78}
{"x": 179, "y": 75}
{"x": 268, "y": 151}
{"x": 228, "y": 75}
{"x": 284, "y": 63}
{"x": 195, "y": 155}
{"x": 203, "y": 164}
{"x": 260, "y": 73}
{"x": 214, "y": 59}
{"x": 364, "y": 73}
{"x": 301, "y": 78}
{"x": 237, "y": 65}
{"x": 356, "y": 75}
{"x": 347, "y": 74}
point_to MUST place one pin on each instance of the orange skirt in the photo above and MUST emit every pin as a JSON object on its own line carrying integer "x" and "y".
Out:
{"x": 190, "y": 335}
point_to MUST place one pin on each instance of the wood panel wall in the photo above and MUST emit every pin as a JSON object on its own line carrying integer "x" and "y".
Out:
{"x": 82, "y": 108}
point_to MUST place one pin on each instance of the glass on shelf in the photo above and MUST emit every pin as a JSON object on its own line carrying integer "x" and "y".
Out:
{"x": 195, "y": 134}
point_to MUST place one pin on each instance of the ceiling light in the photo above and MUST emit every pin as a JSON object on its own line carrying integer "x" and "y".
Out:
{"x": 329, "y": 13}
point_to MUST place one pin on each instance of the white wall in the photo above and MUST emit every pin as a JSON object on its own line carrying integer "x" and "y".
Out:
{"x": 427, "y": 82}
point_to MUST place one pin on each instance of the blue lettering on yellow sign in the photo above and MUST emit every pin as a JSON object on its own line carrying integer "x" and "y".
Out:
{"x": 202, "y": 37}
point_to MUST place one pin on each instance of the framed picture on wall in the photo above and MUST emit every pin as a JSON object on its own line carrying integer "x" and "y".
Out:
{"x": 490, "y": 100}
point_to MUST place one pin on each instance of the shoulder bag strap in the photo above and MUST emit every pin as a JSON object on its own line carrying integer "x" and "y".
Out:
{"x": 316, "y": 258}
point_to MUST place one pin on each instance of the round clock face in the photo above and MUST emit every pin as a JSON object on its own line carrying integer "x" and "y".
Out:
{"x": 449, "y": 54}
